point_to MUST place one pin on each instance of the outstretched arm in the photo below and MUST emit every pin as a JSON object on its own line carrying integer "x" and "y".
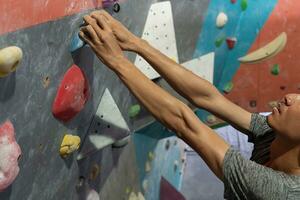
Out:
{"x": 197, "y": 90}
{"x": 165, "y": 108}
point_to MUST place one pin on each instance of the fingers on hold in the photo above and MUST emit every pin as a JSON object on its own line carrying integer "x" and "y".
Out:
{"x": 84, "y": 37}
{"x": 92, "y": 33}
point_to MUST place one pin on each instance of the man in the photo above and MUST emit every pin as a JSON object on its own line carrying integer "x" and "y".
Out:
{"x": 274, "y": 169}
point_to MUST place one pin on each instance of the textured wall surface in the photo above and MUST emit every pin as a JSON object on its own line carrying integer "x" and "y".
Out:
{"x": 26, "y": 101}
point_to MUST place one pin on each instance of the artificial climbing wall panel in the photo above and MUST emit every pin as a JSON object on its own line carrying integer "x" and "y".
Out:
{"x": 44, "y": 30}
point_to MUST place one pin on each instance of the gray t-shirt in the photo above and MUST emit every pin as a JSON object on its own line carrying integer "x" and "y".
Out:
{"x": 249, "y": 179}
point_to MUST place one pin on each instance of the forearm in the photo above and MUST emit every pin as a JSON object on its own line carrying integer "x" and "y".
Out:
{"x": 192, "y": 87}
{"x": 163, "y": 106}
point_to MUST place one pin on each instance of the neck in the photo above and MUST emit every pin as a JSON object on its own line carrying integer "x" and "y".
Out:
{"x": 285, "y": 157}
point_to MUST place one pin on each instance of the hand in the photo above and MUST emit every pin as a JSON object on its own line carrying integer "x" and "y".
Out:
{"x": 127, "y": 40}
{"x": 101, "y": 38}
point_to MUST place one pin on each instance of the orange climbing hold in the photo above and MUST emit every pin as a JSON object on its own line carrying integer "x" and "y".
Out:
{"x": 72, "y": 95}
{"x": 10, "y": 152}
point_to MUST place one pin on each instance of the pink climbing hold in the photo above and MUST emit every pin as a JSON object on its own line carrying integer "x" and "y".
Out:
{"x": 233, "y": 1}
{"x": 72, "y": 95}
{"x": 231, "y": 42}
{"x": 10, "y": 152}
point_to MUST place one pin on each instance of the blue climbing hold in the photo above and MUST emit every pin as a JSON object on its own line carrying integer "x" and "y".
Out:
{"x": 76, "y": 42}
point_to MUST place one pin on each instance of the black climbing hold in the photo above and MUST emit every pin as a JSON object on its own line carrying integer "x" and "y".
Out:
{"x": 117, "y": 7}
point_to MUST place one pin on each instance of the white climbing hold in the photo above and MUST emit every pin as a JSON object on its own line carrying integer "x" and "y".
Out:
{"x": 222, "y": 20}
{"x": 10, "y": 58}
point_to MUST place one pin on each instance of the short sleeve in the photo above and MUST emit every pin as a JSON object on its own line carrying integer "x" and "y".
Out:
{"x": 258, "y": 127}
{"x": 245, "y": 179}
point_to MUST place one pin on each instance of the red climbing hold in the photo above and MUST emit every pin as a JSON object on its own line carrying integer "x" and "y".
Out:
{"x": 233, "y": 1}
{"x": 72, "y": 95}
{"x": 9, "y": 154}
{"x": 231, "y": 42}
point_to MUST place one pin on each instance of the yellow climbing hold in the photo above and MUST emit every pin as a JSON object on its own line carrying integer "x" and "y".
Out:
{"x": 69, "y": 144}
{"x": 10, "y": 58}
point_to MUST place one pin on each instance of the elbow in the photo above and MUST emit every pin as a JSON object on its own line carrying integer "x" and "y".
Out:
{"x": 177, "y": 119}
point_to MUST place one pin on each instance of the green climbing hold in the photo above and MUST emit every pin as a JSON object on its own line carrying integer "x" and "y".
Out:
{"x": 275, "y": 70}
{"x": 228, "y": 87}
{"x": 219, "y": 41}
{"x": 244, "y": 4}
{"x": 134, "y": 110}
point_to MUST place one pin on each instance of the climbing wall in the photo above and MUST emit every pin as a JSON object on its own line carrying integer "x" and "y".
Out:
{"x": 37, "y": 100}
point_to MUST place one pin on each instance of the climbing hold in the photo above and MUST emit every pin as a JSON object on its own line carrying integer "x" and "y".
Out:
{"x": 147, "y": 166}
{"x": 10, "y": 153}
{"x": 128, "y": 190}
{"x": 117, "y": 7}
{"x": 219, "y": 41}
{"x": 46, "y": 81}
{"x": 221, "y": 20}
{"x": 252, "y": 103}
{"x": 69, "y": 144}
{"x": 134, "y": 196}
{"x": 228, "y": 87}
{"x": 134, "y": 110}
{"x": 233, "y": 1}
{"x": 72, "y": 95}
{"x": 76, "y": 42}
{"x": 275, "y": 70}
{"x": 211, "y": 119}
{"x": 266, "y": 52}
{"x": 121, "y": 143}
{"x": 244, "y": 4}
{"x": 231, "y": 42}
{"x": 91, "y": 194}
{"x": 95, "y": 171}
{"x": 10, "y": 58}
{"x": 151, "y": 156}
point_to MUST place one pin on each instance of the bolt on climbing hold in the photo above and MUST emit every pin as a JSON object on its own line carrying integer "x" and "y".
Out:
{"x": 219, "y": 41}
{"x": 134, "y": 110}
{"x": 116, "y": 7}
{"x": 228, "y": 87}
{"x": 221, "y": 20}
{"x": 211, "y": 119}
{"x": 275, "y": 70}
{"x": 244, "y": 5}
{"x": 72, "y": 95}
{"x": 76, "y": 42}
{"x": 69, "y": 144}
{"x": 10, "y": 58}
{"x": 231, "y": 42}
{"x": 10, "y": 153}
{"x": 151, "y": 156}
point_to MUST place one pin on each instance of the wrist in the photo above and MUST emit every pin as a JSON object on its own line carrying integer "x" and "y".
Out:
{"x": 139, "y": 45}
